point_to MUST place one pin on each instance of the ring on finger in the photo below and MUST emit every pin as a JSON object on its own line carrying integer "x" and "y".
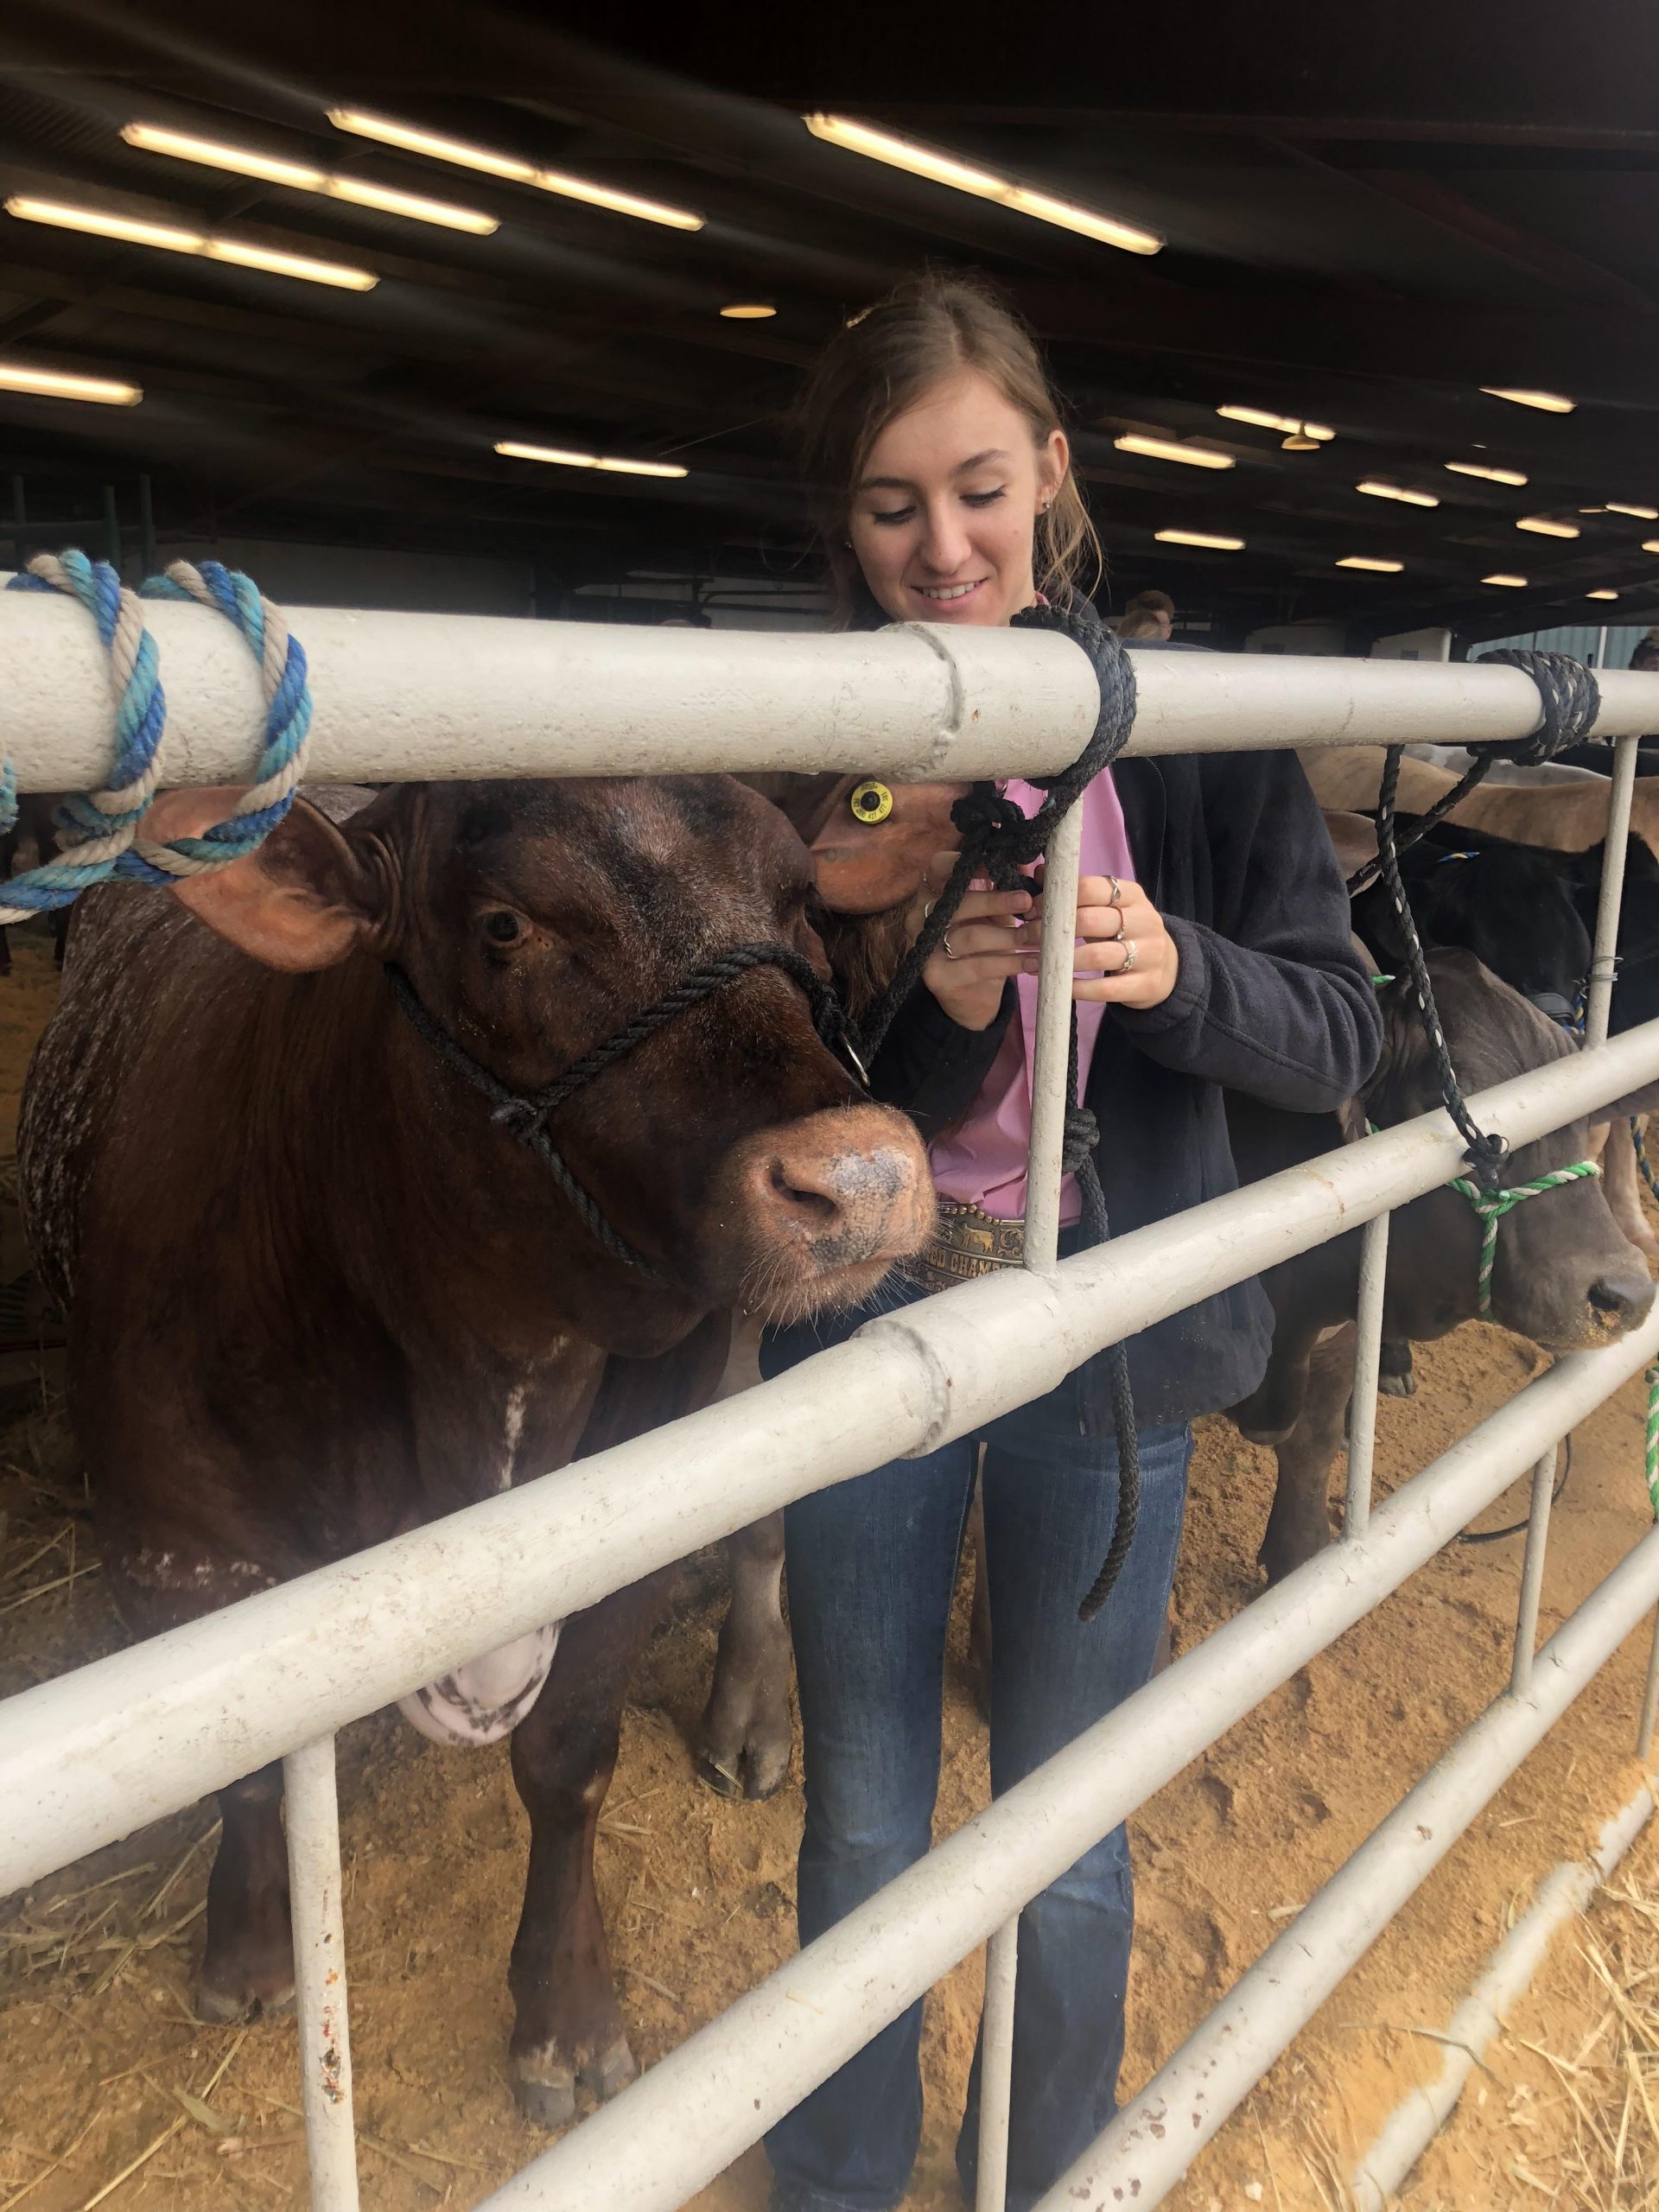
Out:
{"x": 947, "y": 948}
{"x": 1116, "y": 898}
{"x": 1131, "y": 953}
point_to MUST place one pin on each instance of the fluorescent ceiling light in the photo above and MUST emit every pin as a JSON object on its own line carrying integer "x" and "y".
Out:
{"x": 50, "y": 384}
{"x": 1364, "y": 560}
{"x": 1264, "y": 420}
{"x": 1519, "y": 582}
{"x": 1551, "y": 402}
{"x": 411, "y": 141}
{"x": 1651, "y": 545}
{"x": 1199, "y": 538}
{"x": 242, "y": 252}
{"x": 1642, "y": 514}
{"x": 739, "y": 312}
{"x": 243, "y": 160}
{"x": 983, "y": 184}
{"x": 515, "y": 451}
{"x": 1170, "y": 450}
{"x": 1491, "y": 475}
{"x": 1379, "y": 490}
{"x": 1545, "y": 528}
{"x": 1601, "y": 595}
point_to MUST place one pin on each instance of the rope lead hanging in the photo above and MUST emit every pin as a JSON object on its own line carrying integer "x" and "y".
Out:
{"x": 1570, "y": 700}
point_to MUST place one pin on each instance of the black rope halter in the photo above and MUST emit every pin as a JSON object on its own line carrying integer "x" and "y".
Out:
{"x": 1570, "y": 700}
{"x": 527, "y": 1113}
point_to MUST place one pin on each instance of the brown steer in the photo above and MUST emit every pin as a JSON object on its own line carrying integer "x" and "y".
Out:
{"x": 318, "y": 1295}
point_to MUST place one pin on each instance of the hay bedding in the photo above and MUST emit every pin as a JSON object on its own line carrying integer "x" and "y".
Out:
{"x": 112, "y": 2093}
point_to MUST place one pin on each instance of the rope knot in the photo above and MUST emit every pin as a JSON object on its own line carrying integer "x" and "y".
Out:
{"x": 1569, "y": 699}
{"x": 985, "y": 817}
{"x": 1080, "y": 1136}
{"x": 1486, "y": 1155}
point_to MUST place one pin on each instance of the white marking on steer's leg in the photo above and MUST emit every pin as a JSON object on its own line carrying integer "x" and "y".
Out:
{"x": 514, "y": 1430}
{"x": 487, "y": 1699}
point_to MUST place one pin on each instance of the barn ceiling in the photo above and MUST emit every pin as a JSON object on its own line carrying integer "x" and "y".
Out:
{"x": 1370, "y": 215}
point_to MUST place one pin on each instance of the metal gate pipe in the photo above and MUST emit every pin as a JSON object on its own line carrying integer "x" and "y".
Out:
{"x": 311, "y": 1814}
{"x": 87, "y": 1758}
{"x": 1368, "y": 1360}
{"x": 408, "y": 695}
{"x": 1157, "y": 2135}
{"x": 717, "y": 2094}
{"x": 1603, "y": 964}
{"x": 1051, "y": 1060}
{"x": 1416, "y": 2120}
{"x": 1532, "y": 1574}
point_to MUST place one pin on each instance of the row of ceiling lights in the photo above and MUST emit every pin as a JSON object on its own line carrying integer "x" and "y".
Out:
{"x": 855, "y": 137}
{"x": 242, "y": 161}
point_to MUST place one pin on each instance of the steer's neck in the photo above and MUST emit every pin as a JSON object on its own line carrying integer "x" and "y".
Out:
{"x": 444, "y": 1221}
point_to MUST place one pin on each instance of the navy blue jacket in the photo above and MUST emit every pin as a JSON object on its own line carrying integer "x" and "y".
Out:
{"x": 1272, "y": 999}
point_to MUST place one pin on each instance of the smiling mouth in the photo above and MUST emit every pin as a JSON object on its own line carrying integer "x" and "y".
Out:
{"x": 943, "y": 593}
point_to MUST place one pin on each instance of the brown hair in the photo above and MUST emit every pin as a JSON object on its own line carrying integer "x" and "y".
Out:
{"x": 1140, "y": 622}
{"x": 1151, "y": 602}
{"x": 879, "y": 365}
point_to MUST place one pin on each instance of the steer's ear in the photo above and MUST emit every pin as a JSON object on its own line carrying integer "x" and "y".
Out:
{"x": 866, "y": 867}
{"x": 1354, "y": 838}
{"x": 1403, "y": 1082}
{"x": 304, "y": 901}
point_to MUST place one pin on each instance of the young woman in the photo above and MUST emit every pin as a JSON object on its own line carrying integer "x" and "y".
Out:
{"x": 1212, "y": 950}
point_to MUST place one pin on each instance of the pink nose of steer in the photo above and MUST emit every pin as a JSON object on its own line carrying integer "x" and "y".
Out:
{"x": 829, "y": 1202}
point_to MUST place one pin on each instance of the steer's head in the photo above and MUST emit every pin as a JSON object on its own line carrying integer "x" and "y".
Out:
{"x": 1563, "y": 1274}
{"x": 732, "y": 1148}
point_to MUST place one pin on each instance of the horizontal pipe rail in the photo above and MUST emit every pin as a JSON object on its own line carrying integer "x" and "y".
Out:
{"x": 1157, "y": 2134}
{"x": 95, "y": 1754}
{"x": 445, "y": 696}
{"x": 1416, "y": 2121}
{"x": 708, "y": 2100}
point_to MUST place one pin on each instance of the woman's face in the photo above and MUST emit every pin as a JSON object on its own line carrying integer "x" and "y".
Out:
{"x": 943, "y": 513}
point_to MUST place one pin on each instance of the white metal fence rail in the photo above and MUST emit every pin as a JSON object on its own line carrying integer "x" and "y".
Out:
{"x": 90, "y": 1756}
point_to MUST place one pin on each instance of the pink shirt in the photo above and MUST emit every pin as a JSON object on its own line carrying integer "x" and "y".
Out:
{"x": 984, "y": 1159}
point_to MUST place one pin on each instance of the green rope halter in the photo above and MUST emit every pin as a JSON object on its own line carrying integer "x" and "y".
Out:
{"x": 1491, "y": 1206}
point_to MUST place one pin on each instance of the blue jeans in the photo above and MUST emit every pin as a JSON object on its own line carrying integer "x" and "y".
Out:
{"x": 871, "y": 1567}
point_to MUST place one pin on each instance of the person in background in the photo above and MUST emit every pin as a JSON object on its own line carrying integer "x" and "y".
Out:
{"x": 1140, "y": 627}
{"x": 1212, "y": 948}
{"x": 1151, "y": 613}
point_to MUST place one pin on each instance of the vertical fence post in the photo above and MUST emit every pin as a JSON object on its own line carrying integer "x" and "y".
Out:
{"x": 1050, "y": 1057}
{"x": 1597, "y": 1012}
{"x": 1604, "y": 966}
{"x": 1650, "y": 1699}
{"x": 1532, "y": 1575}
{"x": 312, "y": 1813}
{"x": 1368, "y": 1354}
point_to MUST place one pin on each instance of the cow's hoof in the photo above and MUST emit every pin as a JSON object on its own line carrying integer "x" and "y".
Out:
{"x": 549, "y": 2097}
{"x": 612, "y": 2070}
{"x": 1397, "y": 1386}
{"x": 233, "y": 2001}
{"x": 757, "y": 1772}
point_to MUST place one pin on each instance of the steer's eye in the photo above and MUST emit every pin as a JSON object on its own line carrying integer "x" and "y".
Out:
{"x": 502, "y": 927}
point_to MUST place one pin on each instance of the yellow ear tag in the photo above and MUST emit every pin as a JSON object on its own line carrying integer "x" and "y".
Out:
{"x": 870, "y": 801}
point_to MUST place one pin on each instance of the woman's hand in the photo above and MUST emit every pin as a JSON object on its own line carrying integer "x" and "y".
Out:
{"x": 1113, "y": 917}
{"x": 986, "y": 942}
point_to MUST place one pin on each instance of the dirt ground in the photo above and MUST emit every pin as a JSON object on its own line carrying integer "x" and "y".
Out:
{"x": 111, "y": 2092}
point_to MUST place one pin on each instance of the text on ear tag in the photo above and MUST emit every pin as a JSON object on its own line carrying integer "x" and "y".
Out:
{"x": 870, "y": 801}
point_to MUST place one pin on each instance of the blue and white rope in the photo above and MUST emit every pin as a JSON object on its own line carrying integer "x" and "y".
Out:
{"x": 102, "y": 824}
{"x": 288, "y": 714}
{"x": 103, "y": 827}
